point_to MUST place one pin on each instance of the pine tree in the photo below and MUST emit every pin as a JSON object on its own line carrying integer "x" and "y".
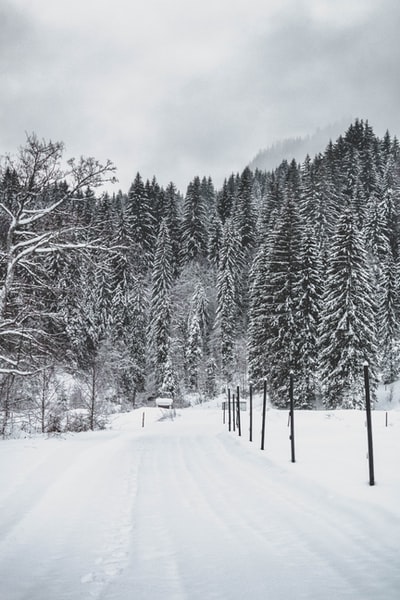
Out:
{"x": 194, "y": 224}
{"x": 390, "y": 198}
{"x": 169, "y": 210}
{"x": 244, "y": 210}
{"x": 317, "y": 201}
{"x": 137, "y": 343}
{"x": 170, "y": 383}
{"x": 226, "y": 198}
{"x": 348, "y": 333}
{"x": 214, "y": 240}
{"x": 160, "y": 309}
{"x": 207, "y": 192}
{"x": 154, "y": 194}
{"x": 197, "y": 332}
{"x": 141, "y": 223}
{"x": 194, "y": 351}
{"x": 353, "y": 192}
{"x": 283, "y": 298}
{"x": 259, "y": 313}
{"x": 307, "y": 323}
{"x": 376, "y": 231}
{"x": 271, "y": 205}
{"x": 228, "y": 294}
{"x": 388, "y": 320}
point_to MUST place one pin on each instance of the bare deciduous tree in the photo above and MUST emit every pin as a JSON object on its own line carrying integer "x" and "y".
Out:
{"x": 34, "y": 187}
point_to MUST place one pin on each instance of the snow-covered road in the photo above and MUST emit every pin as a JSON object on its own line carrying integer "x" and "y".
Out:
{"x": 184, "y": 510}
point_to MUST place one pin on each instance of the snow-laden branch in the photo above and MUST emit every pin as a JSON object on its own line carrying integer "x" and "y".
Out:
{"x": 16, "y": 371}
{"x": 36, "y": 214}
{"x": 6, "y": 210}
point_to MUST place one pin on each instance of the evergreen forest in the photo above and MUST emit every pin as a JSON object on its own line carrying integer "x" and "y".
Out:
{"x": 108, "y": 300}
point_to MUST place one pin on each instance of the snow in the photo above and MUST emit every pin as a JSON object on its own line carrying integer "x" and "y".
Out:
{"x": 183, "y": 509}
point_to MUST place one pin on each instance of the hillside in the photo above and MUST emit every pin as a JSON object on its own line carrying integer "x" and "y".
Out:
{"x": 270, "y": 158}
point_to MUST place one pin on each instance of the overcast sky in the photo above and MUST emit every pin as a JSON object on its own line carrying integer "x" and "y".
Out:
{"x": 178, "y": 88}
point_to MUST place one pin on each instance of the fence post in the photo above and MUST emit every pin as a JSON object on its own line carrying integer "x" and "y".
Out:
{"x": 291, "y": 417}
{"x": 369, "y": 426}
{"x": 251, "y": 413}
{"x": 238, "y": 410}
{"x": 229, "y": 409}
{"x": 263, "y": 415}
{"x": 233, "y": 412}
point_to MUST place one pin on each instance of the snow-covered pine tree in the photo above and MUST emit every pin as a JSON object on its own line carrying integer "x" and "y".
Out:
{"x": 317, "y": 201}
{"x": 214, "y": 240}
{"x": 154, "y": 195}
{"x": 160, "y": 305}
{"x": 283, "y": 299}
{"x": 137, "y": 344}
{"x": 87, "y": 326}
{"x": 169, "y": 210}
{"x": 388, "y": 319}
{"x": 244, "y": 212}
{"x": 259, "y": 316}
{"x": 307, "y": 323}
{"x": 376, "y": 231}
{"x": 129, "y": 325}
{"x": 194, "y": 352}
{"x": 390, "y": 198}
{"x": 348, "y": 331}
{"x": 271, "y": 205}
{"x": 207, "y": 192}
{"x": 194, "y": 224}
{"x": 141, "y": 224}
{"x": 197, "y": 329}
{"x": 228, "y": 294}
{"x": 353, "y": 191}
{"x": 170, "y": 383}
{"x": 226, "y": 198}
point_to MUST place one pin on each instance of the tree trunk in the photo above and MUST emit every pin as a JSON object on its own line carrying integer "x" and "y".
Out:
{"x": 6, "y": 405}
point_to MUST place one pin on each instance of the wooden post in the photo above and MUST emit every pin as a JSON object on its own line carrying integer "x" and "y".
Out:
{"x": 238, "y": 411}
{"x": 233, "y": 412}
{"x": 251, "y": 413}
{"x": 143, "y": 419}
{"x": 291, "y": 418}
{"x": 369, "y": 426}
{"x": 229, "y": 410}
{"x": 264, "y": 410}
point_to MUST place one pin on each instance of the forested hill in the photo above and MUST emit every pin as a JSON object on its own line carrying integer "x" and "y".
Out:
{"x": 296, "y": 147}
{"x": 149, "y": 289}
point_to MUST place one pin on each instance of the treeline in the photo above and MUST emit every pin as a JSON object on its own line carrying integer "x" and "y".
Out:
{"x": 150, "y": 290}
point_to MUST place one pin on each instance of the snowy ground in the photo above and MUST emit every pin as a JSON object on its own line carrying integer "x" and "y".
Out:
{"x": 184, "y": 509}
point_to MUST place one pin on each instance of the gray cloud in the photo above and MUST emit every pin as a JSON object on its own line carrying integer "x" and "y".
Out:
{"x": 289, "y": 80}
{"x": 176, "y": 93}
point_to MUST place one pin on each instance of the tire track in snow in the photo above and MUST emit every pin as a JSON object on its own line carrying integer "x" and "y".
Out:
{"x": 324, "y": 527}
{"x": 43, "y": 557}
{"x": 114, "y": 553}
{"x": 216, "y": 521}
{"x": 152, "y": 570}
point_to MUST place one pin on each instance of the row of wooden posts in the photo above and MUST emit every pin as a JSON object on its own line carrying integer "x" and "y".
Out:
{"x": 233, "y": 405}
